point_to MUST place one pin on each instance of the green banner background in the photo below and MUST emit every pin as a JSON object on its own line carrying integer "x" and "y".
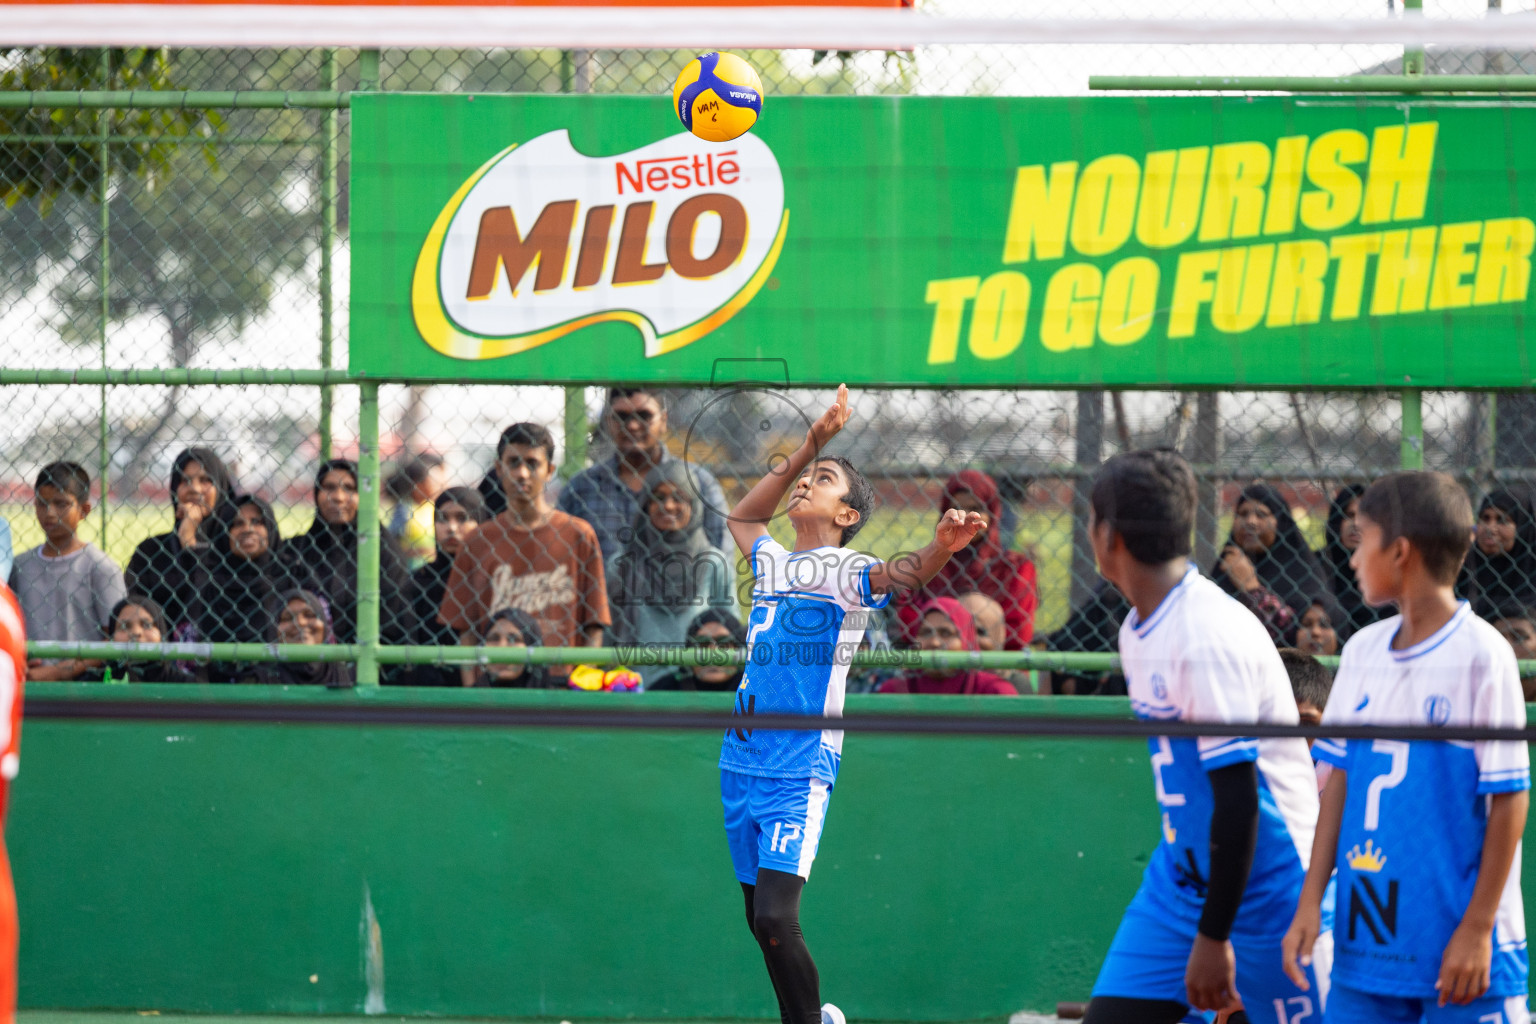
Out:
{"x": 887, "y": 195}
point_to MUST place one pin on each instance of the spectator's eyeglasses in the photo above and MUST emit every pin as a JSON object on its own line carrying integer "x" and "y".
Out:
{"x": 643, "y": 415}
{"x": 712, "y": 641}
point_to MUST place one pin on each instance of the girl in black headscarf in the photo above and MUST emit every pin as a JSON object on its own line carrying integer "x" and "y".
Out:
{"x": 712, "y": 632}
{"x": 201, "y": 491}
{"x": 1500, "y": 570}
{"x": 510, "y": 627}
{"x": 1266, "y": 562}
{"x": 1342, "y": 536}
{"x": 329, "y": 551}
{"x": 138, "y": 620}
{"x": 303, "y": 617}
{"x": 243, "y": 579}
{"x": 457, "y": 513}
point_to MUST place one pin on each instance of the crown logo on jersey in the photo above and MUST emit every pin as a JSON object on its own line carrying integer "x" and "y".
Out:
{"x": 1372, "y": 858}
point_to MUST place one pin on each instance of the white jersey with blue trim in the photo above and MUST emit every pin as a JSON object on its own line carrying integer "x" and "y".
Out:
{"x": 1203, "y": 657}
{"x": 809, "y": 613}
{"x": 1415, "y": 813}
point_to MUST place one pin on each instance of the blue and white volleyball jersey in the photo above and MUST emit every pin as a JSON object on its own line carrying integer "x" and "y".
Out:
{"x": 1415, "y": 813}
{"x": 1202, "y": 656}
{"x": 809, "y": 613}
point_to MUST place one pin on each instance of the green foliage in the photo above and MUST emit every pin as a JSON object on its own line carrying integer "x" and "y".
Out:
{"x": 47, "y": 153}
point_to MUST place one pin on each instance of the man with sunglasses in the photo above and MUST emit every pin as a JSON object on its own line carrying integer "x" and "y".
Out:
{"x": 607, "y": 494}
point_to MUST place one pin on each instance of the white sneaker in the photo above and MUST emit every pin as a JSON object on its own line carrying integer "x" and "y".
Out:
{"x": 832, "y": 1015}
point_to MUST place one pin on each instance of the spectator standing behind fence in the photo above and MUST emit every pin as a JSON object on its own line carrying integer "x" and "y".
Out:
{"x": 531, "y": 556}
{"x": 945, "y": 625}
{"x": 201, "y": 489}
{"x": 329, "y": 551}
{"x": 607, "y": 495}
{"x": 304, "y": 619}
{"x": 241, "y": 580}
{"x": 668, "y": 571}
{"x": 1267, "y": 564}
{"x": 1500, "y": 570}
{"x": 414, "y": 487}
{"x": 992, "y": 634}
{"x": 712, "y": 632}
{"x": 67, "y": 587}
{"x": 1092, "y": 628}
{"x": 457, "y": 513}
{"x": 138, "y": 620}
{"x": 510, "y": 627}
{"x": 984, "y": 566}
{"x": 1341, "y": 537}
{"x": 1317, "y": 631}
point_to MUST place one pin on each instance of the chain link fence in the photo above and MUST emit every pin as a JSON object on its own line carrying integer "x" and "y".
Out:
{"x": 206, "y": 239}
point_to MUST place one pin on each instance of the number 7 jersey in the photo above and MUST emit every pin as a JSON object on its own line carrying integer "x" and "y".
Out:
{"x": 1203, "y": 657}
{"x": 1415, "y": 814}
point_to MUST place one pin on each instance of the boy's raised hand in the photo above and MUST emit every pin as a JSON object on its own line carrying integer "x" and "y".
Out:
{"x": 830, "y": 422}
{"x": 956, "y": 529}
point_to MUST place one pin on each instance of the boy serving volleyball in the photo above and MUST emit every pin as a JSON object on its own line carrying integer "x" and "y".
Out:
{"x": 809, "y": 611}
{"x": 1204, "y": 929}
{"x": 1425, "y": 835}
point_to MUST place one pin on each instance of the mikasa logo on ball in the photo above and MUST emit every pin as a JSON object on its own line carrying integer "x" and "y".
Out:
{"x": 673, "y": 238}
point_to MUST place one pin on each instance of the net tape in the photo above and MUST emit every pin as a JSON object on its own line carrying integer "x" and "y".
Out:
{"x": 346, "y": 710}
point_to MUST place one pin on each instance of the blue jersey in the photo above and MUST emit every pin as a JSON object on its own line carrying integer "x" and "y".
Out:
{"x": 1415, "y": 814}
{"x": 809, "y": 612}
{"x": 1201, "y": 656}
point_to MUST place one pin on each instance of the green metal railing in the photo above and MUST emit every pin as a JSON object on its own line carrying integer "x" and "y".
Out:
{"x": 640, "y": 654}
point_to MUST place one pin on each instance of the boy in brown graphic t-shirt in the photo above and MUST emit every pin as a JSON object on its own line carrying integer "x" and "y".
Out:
{"x": 532, "y": 557}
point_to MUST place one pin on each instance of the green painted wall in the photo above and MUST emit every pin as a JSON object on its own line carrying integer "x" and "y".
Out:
{"x": 553, "y": 873}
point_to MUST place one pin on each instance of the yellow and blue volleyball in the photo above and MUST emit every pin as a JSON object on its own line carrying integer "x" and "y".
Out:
{"x": 718, "y": 97}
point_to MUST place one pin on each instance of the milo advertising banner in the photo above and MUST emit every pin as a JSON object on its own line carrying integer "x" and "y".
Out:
{"x": 1124, "y": 242}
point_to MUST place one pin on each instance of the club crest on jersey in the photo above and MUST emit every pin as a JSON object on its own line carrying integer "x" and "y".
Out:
{"x": 1437, "y": 708}
{"x": 1159, "y": 686}
{"x": 673, "y": 238}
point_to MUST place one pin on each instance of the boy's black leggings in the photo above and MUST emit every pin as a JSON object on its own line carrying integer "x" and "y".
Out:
{"x": 773, "y": 914}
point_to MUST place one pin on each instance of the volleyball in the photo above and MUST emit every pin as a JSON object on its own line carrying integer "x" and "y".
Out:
{"x": 718, "y": 96}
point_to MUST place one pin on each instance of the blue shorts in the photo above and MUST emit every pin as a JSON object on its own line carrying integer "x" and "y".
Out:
{"x": 1356, "y": 1007}
{"x": 772, "y": 823}
{"x": 1150, "y": 951}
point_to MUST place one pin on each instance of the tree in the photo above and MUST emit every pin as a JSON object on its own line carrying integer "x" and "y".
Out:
{"x": 198, "y": 237}
{"x": 50, "y": 152}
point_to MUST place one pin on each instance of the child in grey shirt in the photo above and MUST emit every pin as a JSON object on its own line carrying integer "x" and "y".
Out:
{"x": 66, "y": 586}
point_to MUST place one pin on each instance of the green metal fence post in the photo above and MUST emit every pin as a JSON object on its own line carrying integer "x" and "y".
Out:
{"x": 331, "y": 127}
{"x": 1413, "y": 56}
{"x": 576, "y": 428}
{"x": 367, "y": 70}
{"x": 368, "y": 536}
{"x": 104, "y": 282}
{"x": 1413, "y": 428}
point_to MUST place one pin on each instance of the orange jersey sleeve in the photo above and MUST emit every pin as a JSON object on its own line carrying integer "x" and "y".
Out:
{"x": 13, "y": 670}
